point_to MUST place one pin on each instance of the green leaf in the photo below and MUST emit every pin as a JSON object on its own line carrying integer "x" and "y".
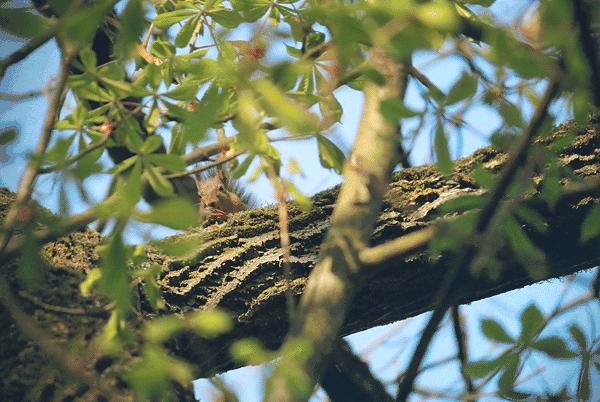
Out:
{"x": 331, "y": 109}
{"x": 579, "y": 336}
{"x": 161, "y": 329}
{"x": 180, "y": 247}
{"x": 80, "y": 24}
{"x": 482, "y": 368}
{"x": 462, "y": 204}
{"x": 152, "y": 376}
{"x": 394, "y": 109}
{"x": 511, "y": 115}
{"x": 176, "y": 213}
{"x": 583, "y": 383}
{"x": 162, "y": 49}
{"x": 555, "y": 347}
{"x": 165, "y": 20}
{"x": 151, "y": 144}
{"x": 186, "y": 33}
{"x": 227, "y": 18}
{"x": 132, "y": 24}
{"x": 123, "y": 166}
{"x": 291, "y": 114}
{"x": 529, "y": 255}
{"x": 590, "y": 228}
{"x": 90, "y": 280}
{"x": 133, "y": 188}
{"x": 211, "y": 323}
{"x": 482, "y": 3}
{"x": 22, "y": 23}
{"x": 89, "y": 60}
{"x": 242, "y": 168}
{"x": 114, "y": 282}
{"x": 444, "y": 162}
{"x": 532, "y": 322}
{"x": 464, "y": 88}
{"x": 197, "y": 122}
{"x": 171, "y": 162}
{"x": 509, "y": 374}
{"x": 159, "y": 183}
{"x": 249, "y": 351}
{"x": 494, "y": 331}
{"x": 185, "y": 91}
{"x": 7, "y": 135}
{"x": 294, "y": 52}
{"x": 484, "y": 177}
{"x": 533, "y": 218}
{"x": 303, "y": 201}
{"x": 330, "y": 156}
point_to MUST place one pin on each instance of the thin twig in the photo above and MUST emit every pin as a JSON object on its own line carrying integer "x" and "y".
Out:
{"x": 20, "y": 97}
{"x": 94, "y": 312}
{"x": 32, "y": 169}
{"x": 203, "y": 168}
{"x": 423, "y": 79}
{"x": 461, "y": 346}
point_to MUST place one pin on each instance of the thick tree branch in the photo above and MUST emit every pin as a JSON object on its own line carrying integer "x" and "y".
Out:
{"x": 237, "y": 264}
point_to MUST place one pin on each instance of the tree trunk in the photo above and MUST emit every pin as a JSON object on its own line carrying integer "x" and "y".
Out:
{"x": 237, "y": 266}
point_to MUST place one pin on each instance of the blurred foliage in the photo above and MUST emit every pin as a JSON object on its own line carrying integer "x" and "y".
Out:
{"x": 173, "y": 74}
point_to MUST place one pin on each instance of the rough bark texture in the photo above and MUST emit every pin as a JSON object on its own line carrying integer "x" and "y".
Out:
{"x": 237, "y": 266}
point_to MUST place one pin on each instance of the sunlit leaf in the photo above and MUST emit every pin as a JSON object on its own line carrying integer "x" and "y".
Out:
{"x": 22, "y": 22}
{"x": 174, "y": 212}
{"x": 186, "y": 34}
{"x": 211, "y": 323}
{"x": 167, "y": 19}
{"x": 303, "y": 201}
{"x": 132, "y": 24}
{"x": 151, "y": 144}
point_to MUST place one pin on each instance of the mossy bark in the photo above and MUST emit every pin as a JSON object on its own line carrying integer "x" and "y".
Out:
{"x": 237, "y": 266}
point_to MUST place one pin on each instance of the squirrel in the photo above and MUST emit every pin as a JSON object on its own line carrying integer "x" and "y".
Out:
{"x": 220, "y": 196}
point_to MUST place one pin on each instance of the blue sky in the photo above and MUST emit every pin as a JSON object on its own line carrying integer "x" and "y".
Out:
{"x": 33, "y": 74}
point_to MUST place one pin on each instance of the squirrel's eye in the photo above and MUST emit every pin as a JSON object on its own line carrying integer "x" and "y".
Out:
{"x": 221, "y": 187}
